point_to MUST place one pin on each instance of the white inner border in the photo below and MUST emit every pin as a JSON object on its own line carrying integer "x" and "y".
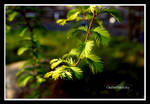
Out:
{"x": 66, "y": 99}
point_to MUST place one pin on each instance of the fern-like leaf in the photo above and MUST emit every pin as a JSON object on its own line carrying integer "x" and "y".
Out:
{"x": 78, "y": 73}
{"x": 94, "y": 58}
{"x": 95, "y": 66}
{"x": 102, "y": 35}
{"x": 86, "y": 48}
{"x": 55, "y": 64}
{"x": 73, "y": 52}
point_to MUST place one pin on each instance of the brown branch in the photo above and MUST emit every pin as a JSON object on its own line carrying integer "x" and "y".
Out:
{"x": 87, "y": 35}
{"x": 90, "y": 26}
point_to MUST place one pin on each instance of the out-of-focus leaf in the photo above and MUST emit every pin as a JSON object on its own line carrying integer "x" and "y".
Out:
{"x": 23, "y": 32}
{"x": 73, "y": 16}
{"x": 23, "y": 49}
{"x": 26, "y": 63}
{"x": 24, "y": 79}
{"x": 40, "y": 79}
{"x": 12, "y": 16}
{"x": 83, "y": 28}
{"x": 61, "y": 22}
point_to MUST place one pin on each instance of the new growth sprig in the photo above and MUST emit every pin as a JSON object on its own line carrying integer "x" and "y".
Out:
{"x": 69, "y": 67}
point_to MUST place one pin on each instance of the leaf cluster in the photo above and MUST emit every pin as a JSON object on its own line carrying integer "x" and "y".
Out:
{"x": 68, "y": 65}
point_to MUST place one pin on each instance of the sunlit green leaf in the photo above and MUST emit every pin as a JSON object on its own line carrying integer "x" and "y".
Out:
{"x": 53, "y": 60}
{"x": 40, "y": 79}
{"x": 57, "y": 72}
{"x": 48, "y": 74}
{"x": 61, "y": 22}
{"x": 87, "y": 48}
{"x": 55, "y": 64}
{"x": 92, "y": 8}
{"x": 72, "y": 12}
{"x": 68, "y": 75}
{"x": 73, "y": 16}
{"x": 93, "y": 58}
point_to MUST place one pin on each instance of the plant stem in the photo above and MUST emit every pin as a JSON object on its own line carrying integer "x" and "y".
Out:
{"x": 87, "y": 35}
{"x": 31, "y": 35}
{"x": 90, "y": 26}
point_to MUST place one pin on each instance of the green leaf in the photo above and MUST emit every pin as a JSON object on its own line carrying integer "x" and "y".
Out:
{"x": 83, "y": 28}
{"x": 26, "y": 63}
{"x": 92, "y": 8}
{"x": 24, "y": 70}
{"x": 23, "y": 49}
{"x": 99, "y": 22}
{"x": 57, "y": 72}
{"x": 53, "y": 60}
{"x": 61, "y": 22}
{"x": 116, "y": 14}
{"x": 74, "y": 32}
{"x": 95, "y": 66}
{"x": 77, "y": 72}
{"x": 93, "y": 58}
{"x": 70, "y": 61}
{"x": 8, "y": 28}
{"x": 72, "y": 12}
{"x": 24, "y": 79}
{"x": 55, "y": 64}
{"x": 73, "y": 16}
{"x": 68, "y": 74}
{"x": 20, "y": 72}
{"x": 103, "y": 35}
{"x": 48, "y": 74}
{"x": 87, "y": 48}
{"x": 23, "y": 32}
{"x": 73, "y": 52}
{"x": 12, "y": 16}
{"x": 40, "y": 79}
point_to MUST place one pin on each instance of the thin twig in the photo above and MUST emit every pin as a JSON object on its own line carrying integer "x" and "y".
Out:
{"x": 87, "y": 35}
